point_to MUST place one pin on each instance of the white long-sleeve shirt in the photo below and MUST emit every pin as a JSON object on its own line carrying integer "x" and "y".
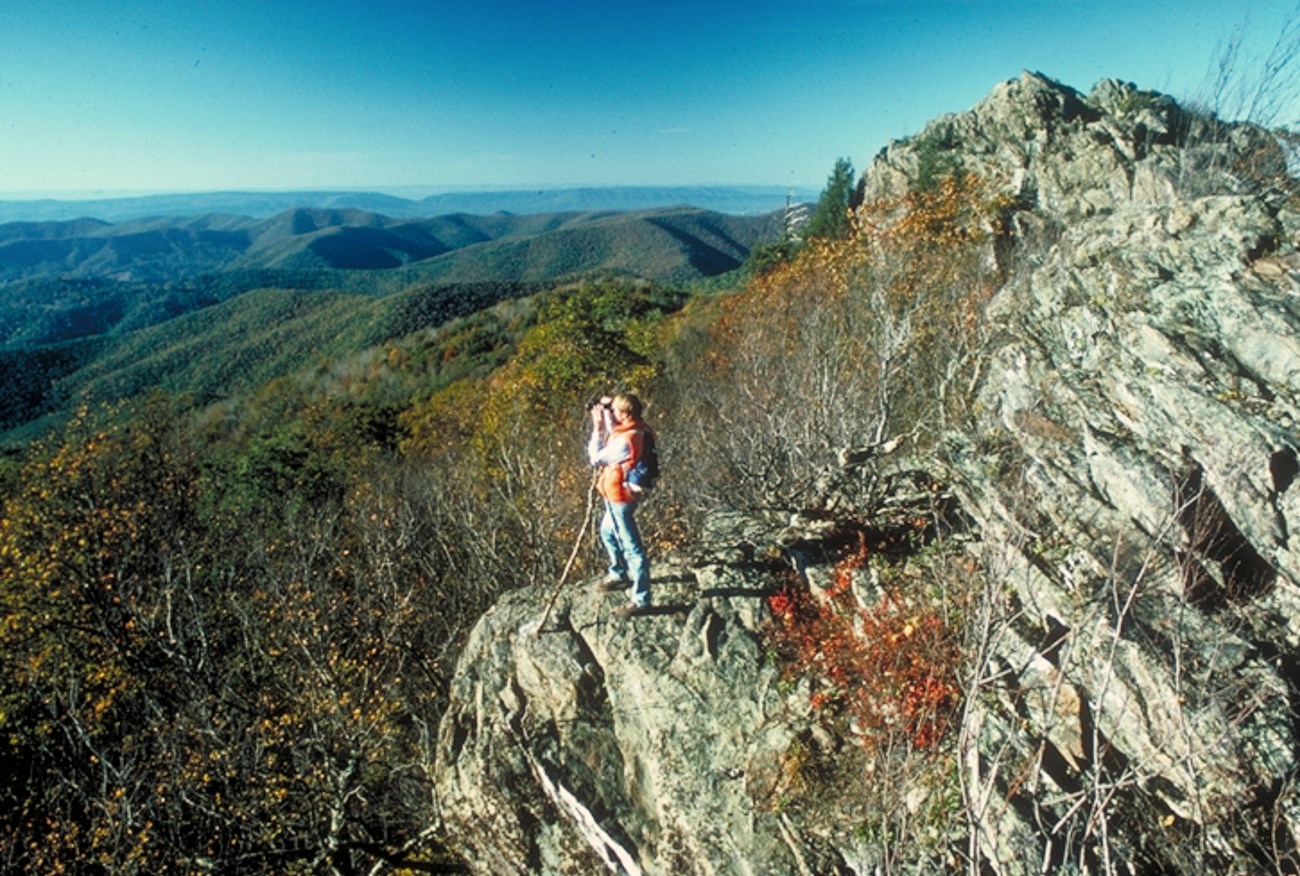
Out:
{"x": 602, "y": 451}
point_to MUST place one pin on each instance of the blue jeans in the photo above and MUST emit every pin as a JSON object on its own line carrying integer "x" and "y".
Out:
{"x": 626, "y": 553}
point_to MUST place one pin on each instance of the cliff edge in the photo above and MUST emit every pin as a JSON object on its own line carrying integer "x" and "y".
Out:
{"x": 1127, "y": 481}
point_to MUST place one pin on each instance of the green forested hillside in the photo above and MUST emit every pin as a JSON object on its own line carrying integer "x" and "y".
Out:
{"x": 218, "y": 304}
{"x": 166, "y": 250}
{"x": 226, "y": 348}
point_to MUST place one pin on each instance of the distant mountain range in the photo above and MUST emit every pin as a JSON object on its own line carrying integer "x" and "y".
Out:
{"x": 735, "y": 200}
{"x": 669, "y": 244}
{"x": 92, "y": 310}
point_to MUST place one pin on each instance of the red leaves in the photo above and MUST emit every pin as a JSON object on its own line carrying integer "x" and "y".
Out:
{"x": 891, "y": 668}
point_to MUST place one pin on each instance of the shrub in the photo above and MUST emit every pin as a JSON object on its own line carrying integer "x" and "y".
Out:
{"x": 849, "y": 344}
{"x": 890, "y": 668}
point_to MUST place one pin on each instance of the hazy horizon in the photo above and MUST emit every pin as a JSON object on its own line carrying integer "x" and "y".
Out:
{"x": 410, "y": 192}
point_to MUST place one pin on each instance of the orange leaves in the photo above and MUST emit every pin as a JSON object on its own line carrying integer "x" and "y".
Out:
{"x": 889, "y": 668}
{"x": 855, "y": 338}
{"x": 914, "y": 238}
{"x": 931, "y": 240}
{"x": 914, "y": 655}
{"x": 848, "y": 567}
{"x": 959, "y": 210}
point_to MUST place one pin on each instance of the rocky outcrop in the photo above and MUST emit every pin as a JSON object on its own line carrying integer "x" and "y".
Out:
{"x": 1128, "y": 483}
{"x": 1067, "y": 155}
{"x": 1132, "y": 475}
{"x": 636, "y": 746}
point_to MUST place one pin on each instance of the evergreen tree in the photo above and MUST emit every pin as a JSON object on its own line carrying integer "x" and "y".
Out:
{"x": 831, "y": 218}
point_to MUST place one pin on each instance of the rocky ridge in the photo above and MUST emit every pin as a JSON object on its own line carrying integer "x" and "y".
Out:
{"x": 1129, "y": 477}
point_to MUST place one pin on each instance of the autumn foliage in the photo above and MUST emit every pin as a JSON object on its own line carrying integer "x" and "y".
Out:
{"x": 857, "y": 339}
{"x": 228, "y": 629}
{"x": 888, "y": 668}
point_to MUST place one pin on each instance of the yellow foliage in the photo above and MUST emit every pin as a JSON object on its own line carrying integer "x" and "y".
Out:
{"x": 446, "y": 421}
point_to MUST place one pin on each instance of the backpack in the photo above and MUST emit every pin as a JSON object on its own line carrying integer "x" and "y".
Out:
{"x": 641, "y": 477}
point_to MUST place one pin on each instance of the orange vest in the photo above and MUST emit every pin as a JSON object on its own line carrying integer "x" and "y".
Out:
{"x": 611, "y": 482}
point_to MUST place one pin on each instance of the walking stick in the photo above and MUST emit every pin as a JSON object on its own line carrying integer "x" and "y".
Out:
{"x": 573, "y": 555}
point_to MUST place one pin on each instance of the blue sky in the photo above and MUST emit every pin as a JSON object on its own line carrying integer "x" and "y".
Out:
{"x": 109, "y": 96}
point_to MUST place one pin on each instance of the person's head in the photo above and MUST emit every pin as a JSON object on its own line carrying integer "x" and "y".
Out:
{"x": 627, "y": 407}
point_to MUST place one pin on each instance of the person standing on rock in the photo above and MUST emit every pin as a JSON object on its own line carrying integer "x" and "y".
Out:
{"x": 618, "y": 438}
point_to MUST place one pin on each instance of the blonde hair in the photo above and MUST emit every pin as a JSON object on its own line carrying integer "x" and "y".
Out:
{"x": 628, "y": 404}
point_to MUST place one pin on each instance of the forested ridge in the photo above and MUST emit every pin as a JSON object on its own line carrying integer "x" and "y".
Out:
{"x": 92, "y": 312}
{"x": 231, "y": 616}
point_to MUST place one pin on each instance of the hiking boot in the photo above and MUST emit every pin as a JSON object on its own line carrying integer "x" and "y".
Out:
{"x": 631, "y": 610}
{"x": 613, "y": 583}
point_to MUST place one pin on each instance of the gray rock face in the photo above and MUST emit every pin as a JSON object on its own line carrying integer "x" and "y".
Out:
{"x": 1131, "y": 477}
{"x": 631, "y": 745}
{"x": 1067, "y": 155}
{"x": 1144, "y": 396}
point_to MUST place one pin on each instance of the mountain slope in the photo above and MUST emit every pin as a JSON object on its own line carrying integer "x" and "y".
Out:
{"x": 739, "y": 200}
{"x": 143, "y": 286}
{"x": 234, "y": 302}
{"x": 1118, "y": 498}
{"x": 227, "y": 347}
{"x": 665, "y": 245}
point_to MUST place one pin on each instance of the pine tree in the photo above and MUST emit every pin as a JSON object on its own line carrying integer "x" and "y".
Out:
{"x": 831, "y": 218}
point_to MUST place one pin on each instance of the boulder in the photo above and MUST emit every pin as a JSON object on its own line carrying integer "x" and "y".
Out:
{"x": 644, "y": 745}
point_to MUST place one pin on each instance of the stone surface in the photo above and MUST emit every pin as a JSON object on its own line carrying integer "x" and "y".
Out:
{"x": 637, "y": 745}
{"x": 1130, "y": 480}
{"x": 1143, "y": 394}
